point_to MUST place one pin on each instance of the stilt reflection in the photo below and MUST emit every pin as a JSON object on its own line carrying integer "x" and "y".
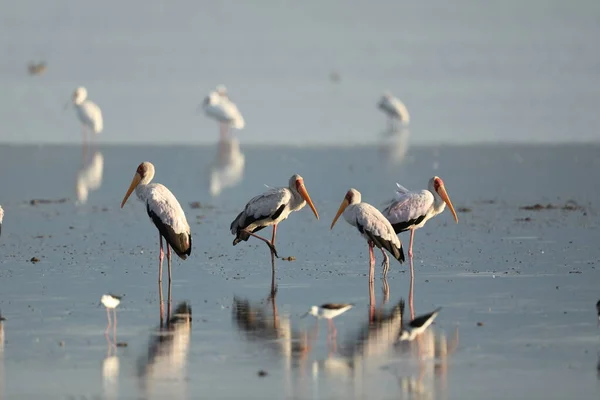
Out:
{"x": 162, "y": 371}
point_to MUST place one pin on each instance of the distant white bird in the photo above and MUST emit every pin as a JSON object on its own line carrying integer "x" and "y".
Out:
{"x": 394, "y": 108}
{"x": 90, "y": 177}
{"x": 218, "y": 106}
{"x": 373, "y": 226}
{"x": 418, "y": 325}
{"x": 1, "y": 218}
{"x": 167, "y": 215}
{"x": 87, "y": 111}
{"x": 411, "y": 210}
{"x": 110, "y": 301}
{"x": 269, "y": 209}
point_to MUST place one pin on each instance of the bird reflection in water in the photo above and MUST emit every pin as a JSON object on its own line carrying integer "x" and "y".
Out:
{"x": 110, "y": 371}
{"x": 262, "y": 325}
{"x": 394, "y": 145}
{"x": 228, "y": 168}
{"x": 261, "y": 322}
{"x": 89, "y": 177}
{"x": 162, "y": 371}
{"x": 425, "y": 375}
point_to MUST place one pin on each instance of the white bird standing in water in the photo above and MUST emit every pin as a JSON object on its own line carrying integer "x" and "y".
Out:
{"x": 217, "y": 105}
{"x": 394, "y": 109}
{"x": 270, "y": 208}
{"x": 411, "y": 210}
{"x": 167, "y": 215}
{"x": 1, "y": 217}
{"x": 110, "y": 301}
{"x": 87, "y": 111}
{"x": 373, "y": 227}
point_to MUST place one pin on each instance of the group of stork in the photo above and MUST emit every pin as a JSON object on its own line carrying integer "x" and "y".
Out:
{"x": 407, "y": 211}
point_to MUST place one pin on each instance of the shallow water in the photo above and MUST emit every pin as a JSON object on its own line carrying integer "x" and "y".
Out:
{"x": 531, "y": 283}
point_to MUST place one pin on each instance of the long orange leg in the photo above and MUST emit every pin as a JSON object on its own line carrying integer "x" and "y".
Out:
{"x": 273, "y": 250}
{"x": 371, "y": 263}
{"x": 412, "y": 235}
{"x": 169, "y": 289}
{"x": 411, "y": 290}
{"x": 161, "y": 256}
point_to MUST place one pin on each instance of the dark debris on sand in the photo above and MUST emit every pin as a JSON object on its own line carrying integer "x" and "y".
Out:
{"x": 35, "y": 202}
{"x": 526, "y": 219}
{"x": 34, "y": 260}
{"x": 463, "y": 209}
{"x": 568, "y": 206}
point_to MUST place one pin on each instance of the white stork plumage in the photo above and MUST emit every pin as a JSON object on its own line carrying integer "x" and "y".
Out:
{"x": 167, "y": 215}
{"x": 373, "y": 226}
{"x": 218, "y": 106}
{"x": 87, "y": 111}
{"x": 1, "y": 218}
{"x": 270, "y": 208}
{"x": 394, "y": 109}
{"x": 411, "y": 210}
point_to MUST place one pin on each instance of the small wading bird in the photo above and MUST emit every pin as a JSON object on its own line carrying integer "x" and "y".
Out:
{"x": 218, "y": 106}
{"x": 373, "y": 226}
{"x": 410, "y": 210}
{"x": 167, "y": 215}
{"x": 270, "y": 208}
{"x": 417, "y": 325}
{"x": 87, "y": 111}
{"x": 394, "y": 109}
{"x": 110, "y": 301}
{"x": 1, "y": 217}
{"x": 329, "y": 311}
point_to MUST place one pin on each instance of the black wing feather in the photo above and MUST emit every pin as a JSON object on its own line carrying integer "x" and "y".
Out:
{"x": 422, "y": 319}
{"x": 181, "y": 243}
{"x": 405, "y": 226}
{"x": 379, "y": 242}
{"x": 335, "y": 306}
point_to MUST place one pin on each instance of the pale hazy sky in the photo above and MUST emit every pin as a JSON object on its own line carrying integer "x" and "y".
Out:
{"x": 468, "y": 71}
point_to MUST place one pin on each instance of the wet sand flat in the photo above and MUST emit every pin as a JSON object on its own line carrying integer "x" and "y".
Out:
{"x": 518, "y": 286}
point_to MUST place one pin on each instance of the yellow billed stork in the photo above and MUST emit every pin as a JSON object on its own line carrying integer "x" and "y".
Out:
{"x": 411, "y": 210}
{"x": 166, "y": 213}
{"x": 373, "y": 226}
{"x": 270, "y": 208}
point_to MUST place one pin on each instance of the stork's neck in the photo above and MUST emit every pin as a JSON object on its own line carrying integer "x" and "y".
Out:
{"x": 141, "y": 191}
{"x": 297, "y": 201}
{"x": 438, "y": 204}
